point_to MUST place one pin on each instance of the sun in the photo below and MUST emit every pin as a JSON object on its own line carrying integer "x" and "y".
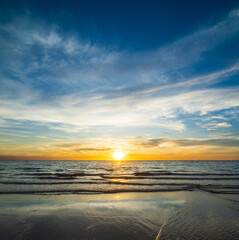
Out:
{"x": 118, "y": 155}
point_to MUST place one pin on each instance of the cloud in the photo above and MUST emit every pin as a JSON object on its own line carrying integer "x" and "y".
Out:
{"x": 141, "y": 142}
{"x": 67, "y": 145}
{"x": 67, "y": 58}
{"x": 215, "y": 125}
{"x": 223, "y": 125}
{"x": 234, "y": 13}
{"x": 93, "y": 149}
{"x": 125, "y": 111}
{"x": 216, "y": 117}
{"x": 208, "y": 142}
{"x": 54, "y": 77}
{"x": 78, "y": 147}
{"x": 155, "y": 143}
{"x": 199, "y": 80}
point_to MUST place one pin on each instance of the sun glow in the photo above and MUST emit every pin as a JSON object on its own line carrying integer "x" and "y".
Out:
{"x": 118, "y": 155}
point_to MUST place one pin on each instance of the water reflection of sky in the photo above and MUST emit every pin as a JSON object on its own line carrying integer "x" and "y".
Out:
{"x": 126, "y": 202}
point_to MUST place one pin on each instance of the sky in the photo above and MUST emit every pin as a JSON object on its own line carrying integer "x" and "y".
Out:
{"x": 154, "y": 80}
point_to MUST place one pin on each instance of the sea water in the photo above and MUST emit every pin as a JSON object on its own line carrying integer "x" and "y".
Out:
{"x": 90, "y": 177}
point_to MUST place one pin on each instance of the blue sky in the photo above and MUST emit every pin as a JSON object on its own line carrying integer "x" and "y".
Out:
{"x": 85, "y": 78}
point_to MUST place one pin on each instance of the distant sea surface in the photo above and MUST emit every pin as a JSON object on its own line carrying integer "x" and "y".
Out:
{"x": 90, "y": 177}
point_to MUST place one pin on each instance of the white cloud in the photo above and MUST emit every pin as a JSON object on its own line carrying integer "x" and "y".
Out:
{"x": 212, "y": 125}
{"x": 217, "y": 117}
{"x": 81, "y": 61}
{"x": 202, "y": 113}
{"x": 223, "y": 125}
{"x": 85, "y": 67}
{"x": 125, "y": 111}
{"x": 199, "y": 80}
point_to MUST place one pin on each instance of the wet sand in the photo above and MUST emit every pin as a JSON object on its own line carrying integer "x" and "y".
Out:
{"x": 171, "y": 215}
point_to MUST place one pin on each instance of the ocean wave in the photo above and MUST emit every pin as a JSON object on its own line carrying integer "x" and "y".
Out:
{"x": 28, "y": 168}
{"x": 162, "y": 173}
{"x": 88, "y": 191}
{"x": 103, "y": 177}
{"x": 96, "y": 183}
{"x": 143, "y": 175}
{"x": 167, "y": 178}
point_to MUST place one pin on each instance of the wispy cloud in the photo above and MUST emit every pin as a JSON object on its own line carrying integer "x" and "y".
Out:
{"x": 151, "y": 143}
{"x": 66, "y": 58}
{"x": 215, "y": 125}
{"x": 134, "y": 110}
{"x": 93, "y": 149}
{"x": 54, "y": 77}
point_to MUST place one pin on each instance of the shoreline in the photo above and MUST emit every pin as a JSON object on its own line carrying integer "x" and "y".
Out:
{"x": 120, "y": 216}
{"x": 80, "y": 192}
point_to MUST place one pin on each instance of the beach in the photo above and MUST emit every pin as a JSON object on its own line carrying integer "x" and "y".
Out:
{"x": 168, "y": 215}
{"x": 104, "y": 200}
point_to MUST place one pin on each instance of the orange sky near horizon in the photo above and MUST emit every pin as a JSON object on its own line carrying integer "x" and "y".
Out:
{"x": 129, "y": 153}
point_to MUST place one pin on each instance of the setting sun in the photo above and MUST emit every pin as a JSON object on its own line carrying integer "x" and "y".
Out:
{"x": 118, "y": 155}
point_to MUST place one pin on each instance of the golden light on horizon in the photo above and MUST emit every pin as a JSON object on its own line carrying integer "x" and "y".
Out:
{"x": 118, "y": 155}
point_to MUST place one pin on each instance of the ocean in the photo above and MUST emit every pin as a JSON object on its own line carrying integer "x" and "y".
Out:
{"x": 94, "y": 177}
